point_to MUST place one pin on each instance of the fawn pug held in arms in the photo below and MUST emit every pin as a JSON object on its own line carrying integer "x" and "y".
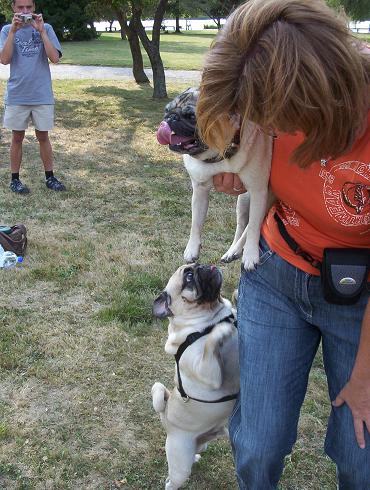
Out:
{"x": 203, "y": 338}
{"x": 249, "y": 156}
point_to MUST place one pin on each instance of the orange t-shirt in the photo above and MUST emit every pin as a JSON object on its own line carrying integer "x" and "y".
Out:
{"x": 326, "y": 205}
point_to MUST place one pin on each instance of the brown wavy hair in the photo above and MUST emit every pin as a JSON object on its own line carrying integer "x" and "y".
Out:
{"x": 287, "y": 65}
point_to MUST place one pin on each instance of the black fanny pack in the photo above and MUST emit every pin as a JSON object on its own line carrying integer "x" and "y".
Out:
{"x": 344, "y": 271}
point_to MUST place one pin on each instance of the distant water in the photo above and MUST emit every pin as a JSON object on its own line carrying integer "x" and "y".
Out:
{"x": 191, "y": 24}
{"x": 198, "y": 25}
{"x": 362, "y": 27}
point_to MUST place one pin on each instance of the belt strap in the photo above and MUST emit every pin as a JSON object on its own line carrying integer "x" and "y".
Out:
{"x": 293, "y": 245}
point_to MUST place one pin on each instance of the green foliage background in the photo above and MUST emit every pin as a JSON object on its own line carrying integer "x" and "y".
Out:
{"x": 70, "y": 20}
{"x": 73, "y": 19}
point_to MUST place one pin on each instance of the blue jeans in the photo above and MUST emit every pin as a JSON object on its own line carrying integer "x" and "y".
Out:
{"x": 282, "y": 317}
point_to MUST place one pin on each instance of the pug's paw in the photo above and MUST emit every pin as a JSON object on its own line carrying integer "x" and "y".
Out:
{"x": 250, "y": 259}
{"x": 191, "y": 252}
{"x": 234, "y": 253}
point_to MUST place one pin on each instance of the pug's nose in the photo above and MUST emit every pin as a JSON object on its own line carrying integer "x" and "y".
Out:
{"x": 174, "y": 117}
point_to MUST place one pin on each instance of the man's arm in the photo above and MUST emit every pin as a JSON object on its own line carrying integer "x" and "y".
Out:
{"x": 51, "y": 52}
{"x": 7, "y": 51}
{"x": 356, "y": 393}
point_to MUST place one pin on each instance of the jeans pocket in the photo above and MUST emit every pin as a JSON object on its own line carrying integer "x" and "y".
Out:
{"x": 235, "y": 408}
{"x": 234, "y": 422}
{"x": 265, "y": 254}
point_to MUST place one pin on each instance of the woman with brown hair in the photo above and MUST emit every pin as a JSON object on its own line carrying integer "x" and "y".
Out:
{"x": 293, "y": 67}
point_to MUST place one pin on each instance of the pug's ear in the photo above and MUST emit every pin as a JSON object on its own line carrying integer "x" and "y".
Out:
{"x": 161, "y": 306}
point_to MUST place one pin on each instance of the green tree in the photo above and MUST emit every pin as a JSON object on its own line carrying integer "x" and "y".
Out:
{"x": 140, "y": 10}
{"x": 174, "y": 10}
{"x": 129, "y": 14}
{"x": 214, "y": 9}
{"x": 6, "y": 10}
{"x": 70, "y": 19}
{"x": 121, "y": 11}
{"x": 103, "y": 10}
{"x": 356, "y": 9}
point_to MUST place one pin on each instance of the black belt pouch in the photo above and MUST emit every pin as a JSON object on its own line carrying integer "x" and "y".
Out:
{"x": 344, "y": 274}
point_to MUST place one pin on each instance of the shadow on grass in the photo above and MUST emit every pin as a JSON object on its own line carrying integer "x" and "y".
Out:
{"x": 110, "y": 104}
{"x": 121, "y": 111}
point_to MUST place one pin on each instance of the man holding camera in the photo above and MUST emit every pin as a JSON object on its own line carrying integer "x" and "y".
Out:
{"x": 27, "y": 44}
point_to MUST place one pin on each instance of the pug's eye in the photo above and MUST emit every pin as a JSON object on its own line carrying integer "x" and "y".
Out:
{"x": 189, "y": 276}
{"x": 189, "y": 113}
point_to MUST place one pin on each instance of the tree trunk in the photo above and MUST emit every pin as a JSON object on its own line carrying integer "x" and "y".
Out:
{"x": 178, "y": 17}
{"x": 133, "y": 40}
{"x": 159, "y": 77}
{"x": 152, "y": 47}
{"x": 137, "y": 59}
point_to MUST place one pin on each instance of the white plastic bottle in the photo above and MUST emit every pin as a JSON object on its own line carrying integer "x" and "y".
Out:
{"x": 8, "y": 259}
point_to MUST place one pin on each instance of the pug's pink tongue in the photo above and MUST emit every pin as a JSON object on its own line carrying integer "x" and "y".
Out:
{"x": 164, "y": 134}
{"x": 166, "y": 137}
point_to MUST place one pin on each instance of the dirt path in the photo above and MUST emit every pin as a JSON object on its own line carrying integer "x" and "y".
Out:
{"x": 62, "y": 71}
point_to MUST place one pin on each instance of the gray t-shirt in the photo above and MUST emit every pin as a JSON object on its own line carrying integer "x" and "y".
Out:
{"x": 30, "y": 79}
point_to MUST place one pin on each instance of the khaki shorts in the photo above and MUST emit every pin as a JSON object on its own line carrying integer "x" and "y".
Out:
{"x": 17, "y": 117}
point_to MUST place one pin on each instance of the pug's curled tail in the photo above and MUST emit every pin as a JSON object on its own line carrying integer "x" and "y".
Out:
{"x": 160, "y": 395}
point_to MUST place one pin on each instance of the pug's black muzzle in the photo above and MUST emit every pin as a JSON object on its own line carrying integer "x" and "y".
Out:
{"x": 208, "y": 280}
{"x": 181, "y": 125}
{"x": 184, "y": 126}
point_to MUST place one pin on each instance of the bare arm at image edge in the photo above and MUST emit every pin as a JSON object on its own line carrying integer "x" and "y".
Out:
{"x": 7, "y": 51}
{"x": 356, "y": 393}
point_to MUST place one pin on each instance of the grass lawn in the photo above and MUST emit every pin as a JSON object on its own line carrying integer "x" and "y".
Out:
{"x": 179, "y": 51}
{"x": 365, "y": 37}
{"x": 79, "y": 349}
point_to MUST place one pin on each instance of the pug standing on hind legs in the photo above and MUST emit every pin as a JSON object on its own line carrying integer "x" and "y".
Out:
{"x": 203, "y": 338}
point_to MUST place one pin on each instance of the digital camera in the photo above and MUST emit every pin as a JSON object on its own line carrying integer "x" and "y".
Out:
{"x": 25, "y": 18}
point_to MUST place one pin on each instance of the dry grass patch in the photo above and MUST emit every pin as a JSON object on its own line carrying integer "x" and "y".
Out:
{"x": 79, "y": 349}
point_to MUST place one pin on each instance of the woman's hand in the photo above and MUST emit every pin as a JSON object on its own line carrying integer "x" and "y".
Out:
{"x": 228, "y": 183}
{"x": 356, "y": 394}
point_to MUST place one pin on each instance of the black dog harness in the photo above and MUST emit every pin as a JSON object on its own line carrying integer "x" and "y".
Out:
{"x": 190, "y": 339}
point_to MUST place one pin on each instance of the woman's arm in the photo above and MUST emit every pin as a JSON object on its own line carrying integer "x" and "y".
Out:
{"x": 356, "y": 393}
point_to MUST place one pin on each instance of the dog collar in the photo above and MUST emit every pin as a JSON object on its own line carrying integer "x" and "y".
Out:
{"x": 216, "y": 159}
{"x": 230, "y": 151}
{"x": 190, "y": 339}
